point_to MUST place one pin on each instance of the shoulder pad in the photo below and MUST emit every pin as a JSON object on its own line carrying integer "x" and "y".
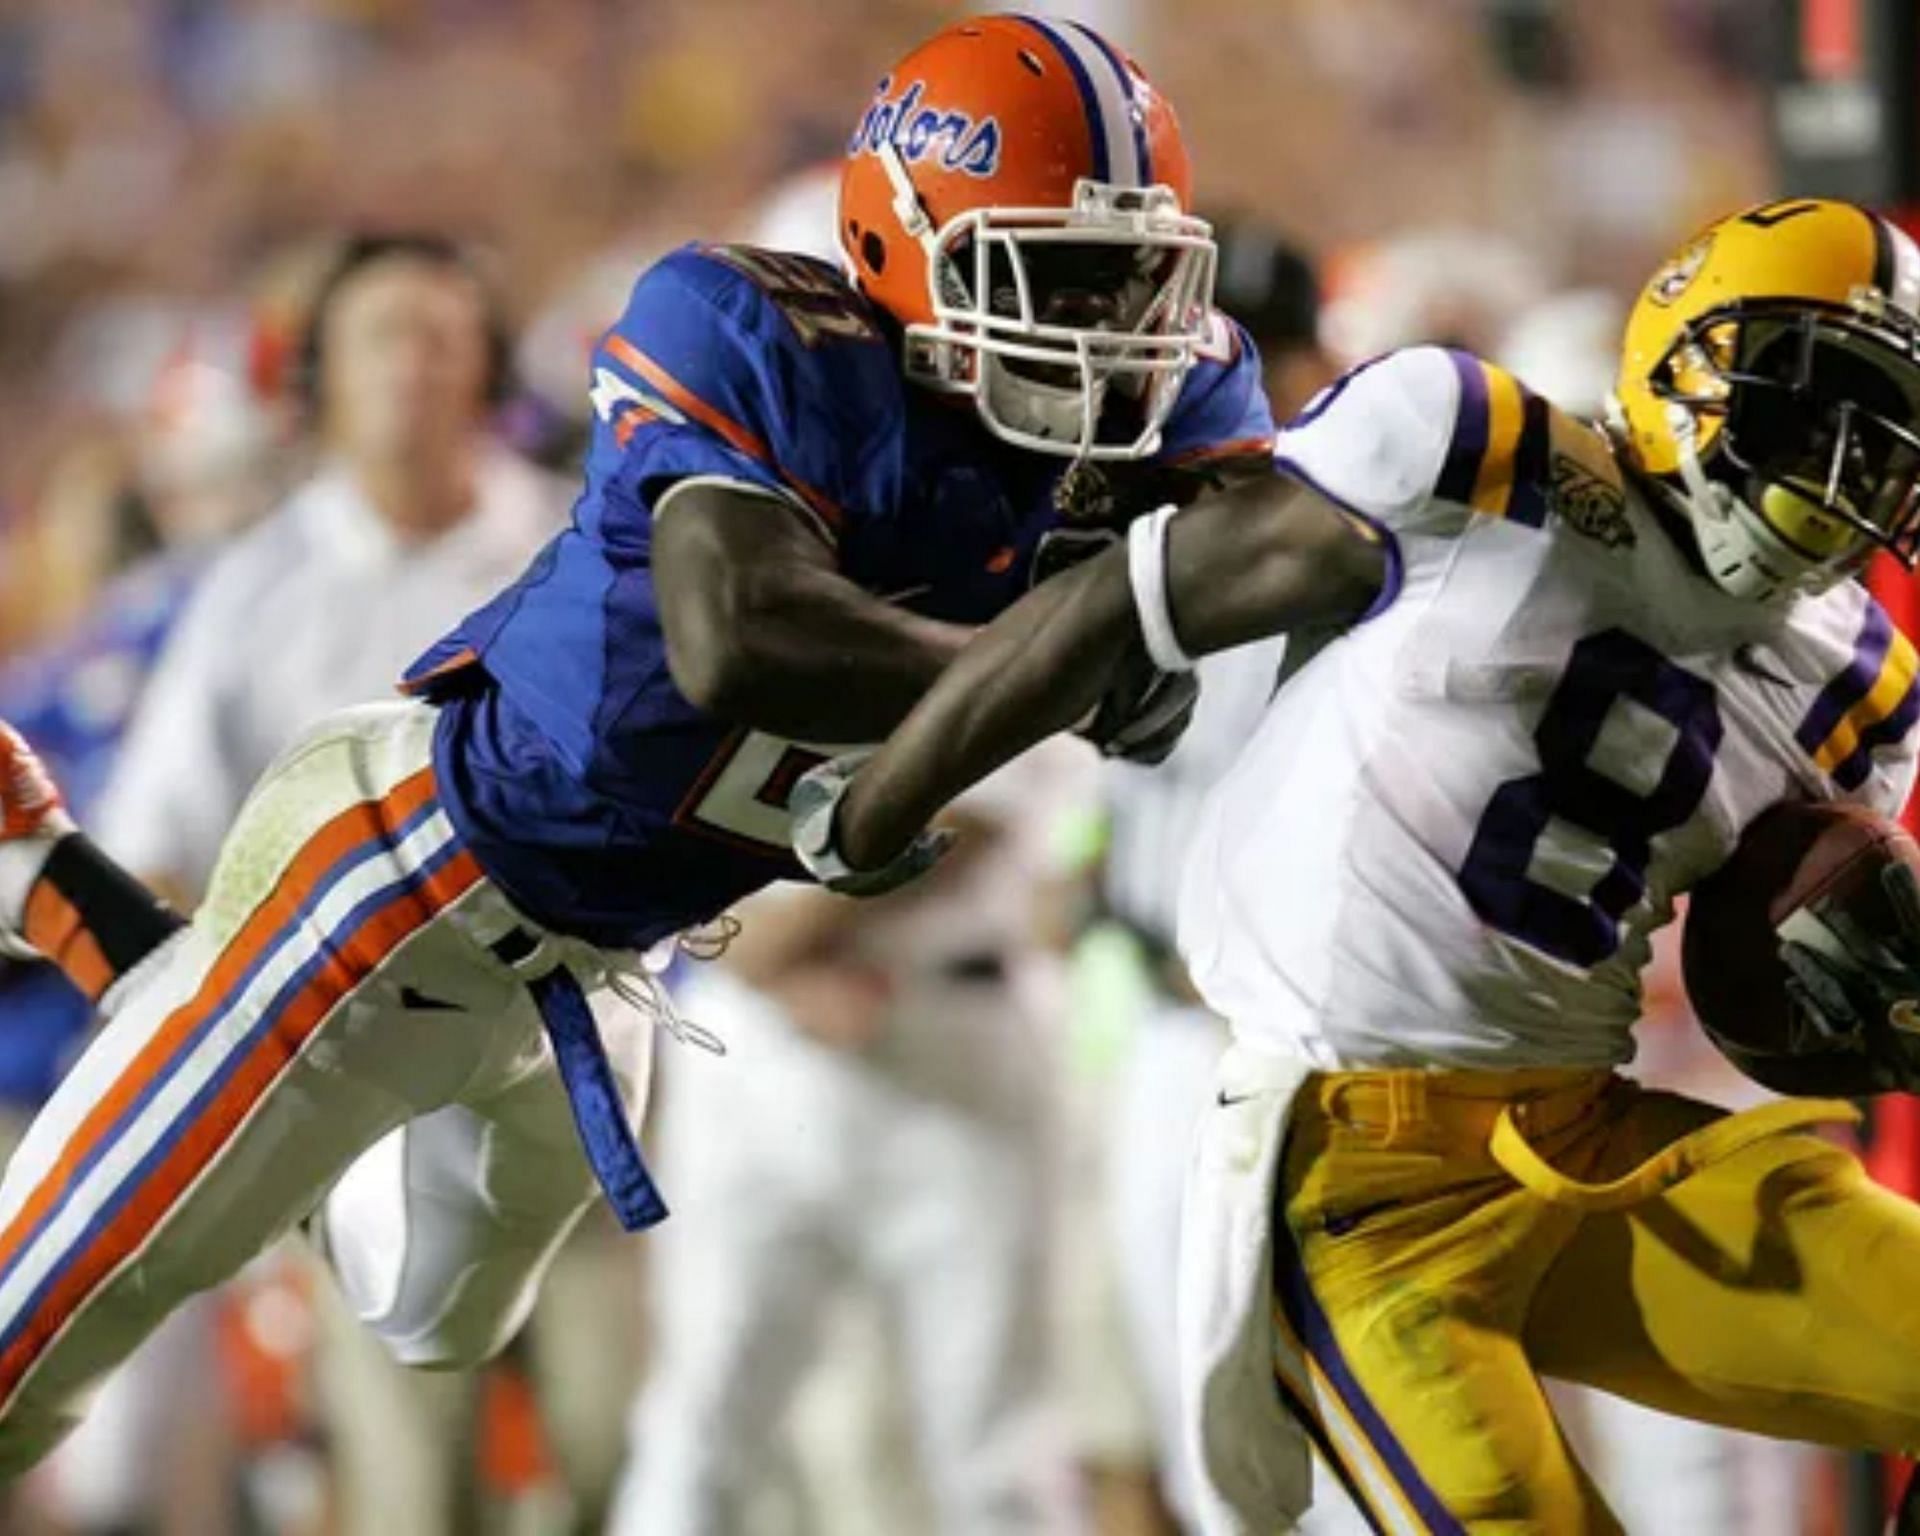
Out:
{"x": 812, "y": 297}
{"x": 754, "y": 364}
{"x": 1376, "y": 440}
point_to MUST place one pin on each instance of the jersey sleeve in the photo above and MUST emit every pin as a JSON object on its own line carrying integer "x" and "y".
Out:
{"x": 1222, "y": 412}
{"x": 744, "y": 365}
{"x": 1859, "y": 729}
{"x": 1425, "y": 436}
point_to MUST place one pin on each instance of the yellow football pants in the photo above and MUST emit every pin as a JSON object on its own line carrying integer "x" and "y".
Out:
{"x": 1709, "y": 1265}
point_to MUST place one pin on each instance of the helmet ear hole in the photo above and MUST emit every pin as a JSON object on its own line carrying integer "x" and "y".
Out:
{"x": 873, "y": 251}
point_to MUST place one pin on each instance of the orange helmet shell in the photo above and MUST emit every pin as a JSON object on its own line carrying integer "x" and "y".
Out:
{"x": 1004, "y": 112}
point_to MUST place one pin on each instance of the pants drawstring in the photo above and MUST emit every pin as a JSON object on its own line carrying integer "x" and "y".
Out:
{"x": 1667, "y": 1167}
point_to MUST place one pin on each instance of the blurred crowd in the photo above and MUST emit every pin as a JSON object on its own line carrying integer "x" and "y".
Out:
{"x": 923, "y": 1295}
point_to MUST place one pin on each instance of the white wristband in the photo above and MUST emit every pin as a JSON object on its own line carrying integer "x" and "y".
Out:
{"x": 1147, "y": 573}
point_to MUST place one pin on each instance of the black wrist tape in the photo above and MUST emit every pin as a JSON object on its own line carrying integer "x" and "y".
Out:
{"x": 91, "y": 918}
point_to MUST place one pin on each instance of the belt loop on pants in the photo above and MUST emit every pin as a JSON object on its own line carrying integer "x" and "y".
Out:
{"x": 599, "y": 1111}
{"x": 1406, "y": 1108}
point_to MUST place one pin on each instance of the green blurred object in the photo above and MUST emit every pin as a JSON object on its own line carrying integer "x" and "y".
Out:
{"x": 1077, "y": 839}
{"x": 1108, "y": 990}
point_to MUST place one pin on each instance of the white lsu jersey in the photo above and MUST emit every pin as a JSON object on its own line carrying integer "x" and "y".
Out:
{"x": 1454, "y": 828}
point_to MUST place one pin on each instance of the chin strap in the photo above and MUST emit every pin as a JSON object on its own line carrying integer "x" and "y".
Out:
{"x": 1734, "y": 541}
{"x": 907, "y": 207}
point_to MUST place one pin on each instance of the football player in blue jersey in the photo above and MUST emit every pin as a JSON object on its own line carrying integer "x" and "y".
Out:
{"x": 804, "y": 489}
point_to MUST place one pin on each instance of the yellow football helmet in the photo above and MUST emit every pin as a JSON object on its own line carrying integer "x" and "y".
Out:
{"x": 1770, "y": 389}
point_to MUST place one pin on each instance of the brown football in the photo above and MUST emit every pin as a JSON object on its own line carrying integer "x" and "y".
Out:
{"x": 1791, "y": 854}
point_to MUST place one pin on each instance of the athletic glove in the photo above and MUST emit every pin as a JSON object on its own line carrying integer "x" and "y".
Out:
{"x": 1856, "y": 982}
{"x": 815, "y": 805}
{"x": 1144, "y": 712}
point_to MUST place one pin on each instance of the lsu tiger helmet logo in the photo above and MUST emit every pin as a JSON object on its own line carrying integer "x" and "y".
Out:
{"x": 1016, "y": 197}
{"x": 1769, "y": 389}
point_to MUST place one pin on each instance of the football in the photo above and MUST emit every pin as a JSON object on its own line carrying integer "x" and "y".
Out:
{"x": 1794, "y": 854}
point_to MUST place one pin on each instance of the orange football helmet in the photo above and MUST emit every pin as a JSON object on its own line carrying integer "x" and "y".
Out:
{"x": 1016, "y": 196}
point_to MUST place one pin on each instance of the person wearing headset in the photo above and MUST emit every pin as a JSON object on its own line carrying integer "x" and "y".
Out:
{"x": 413, "y": 513}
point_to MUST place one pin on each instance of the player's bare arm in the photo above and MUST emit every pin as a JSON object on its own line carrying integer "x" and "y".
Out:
{"x": 1269, "y": 557}
{"x": 763, "y": 630}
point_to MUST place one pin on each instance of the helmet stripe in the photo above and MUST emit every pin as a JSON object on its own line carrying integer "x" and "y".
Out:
{"x": 1904, "y": 285}
{"x": 1882, "y": 253}
{"x": 1111, "y": 148}
{"x": 1132, "y": 109}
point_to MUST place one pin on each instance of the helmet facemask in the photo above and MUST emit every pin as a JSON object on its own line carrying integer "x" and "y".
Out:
{"x": 1072, "y": 329}
{"x": 1798, "y": 450}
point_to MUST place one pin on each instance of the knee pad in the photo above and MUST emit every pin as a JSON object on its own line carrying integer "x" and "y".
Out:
{"x": 434, "y": 1279}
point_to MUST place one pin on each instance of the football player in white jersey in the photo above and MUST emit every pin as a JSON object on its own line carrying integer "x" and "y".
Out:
{"x": 1558, "y": 669}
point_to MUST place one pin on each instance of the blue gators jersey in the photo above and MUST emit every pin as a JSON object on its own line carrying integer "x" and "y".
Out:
{"x": 598, "y": 797}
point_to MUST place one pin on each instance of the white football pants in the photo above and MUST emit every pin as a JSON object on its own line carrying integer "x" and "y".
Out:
{"x": 332, "y": 1019}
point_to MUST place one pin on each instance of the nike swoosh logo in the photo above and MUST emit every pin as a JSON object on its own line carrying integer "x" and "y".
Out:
{"x": 413, "y": 997}
{"x": 1749, "y": 660}
{"x": 1227, "y": 1101}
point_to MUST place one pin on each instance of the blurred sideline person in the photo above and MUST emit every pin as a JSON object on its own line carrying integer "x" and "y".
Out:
{"x": 413, "y": 514}
{"x": 889, "y": 1059}
{"x": 1271, "y": 288}
{"x": 879, "y": 1124}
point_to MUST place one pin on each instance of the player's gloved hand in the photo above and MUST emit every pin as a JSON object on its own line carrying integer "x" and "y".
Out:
{"x": 1854, "y": 977}
{"x": 1145, "y": 711}
{"x": 815, "y": 804}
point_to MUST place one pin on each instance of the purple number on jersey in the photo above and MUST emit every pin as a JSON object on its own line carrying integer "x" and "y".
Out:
{"x": 1603, "y": 670}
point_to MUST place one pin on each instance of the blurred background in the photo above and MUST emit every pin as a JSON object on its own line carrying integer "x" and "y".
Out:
{"x": 179, "y": 519}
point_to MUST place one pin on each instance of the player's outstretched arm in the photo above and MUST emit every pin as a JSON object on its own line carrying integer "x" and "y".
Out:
{"x": 1266, "y": 558}
{"x": 763, "y": 630}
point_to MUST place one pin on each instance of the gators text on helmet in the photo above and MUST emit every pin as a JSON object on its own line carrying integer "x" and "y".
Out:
{"x": 1016, "y": 196}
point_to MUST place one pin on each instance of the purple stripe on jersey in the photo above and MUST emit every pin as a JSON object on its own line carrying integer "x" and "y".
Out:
{"x": 1315, "y": 1332}
{"x": 1469, "y": 446}
{"x": 1136, "y": 116}
{"x": 1852, "y": 770}
{"x": 1528, "y": 501}
{"x": 1851, "y": 685}
{"x": 1089, "y": 96}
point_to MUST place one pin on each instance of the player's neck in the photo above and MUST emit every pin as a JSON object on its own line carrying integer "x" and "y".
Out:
{"x": 418, "y": 498}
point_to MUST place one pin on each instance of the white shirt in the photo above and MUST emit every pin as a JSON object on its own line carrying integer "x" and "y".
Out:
{"x": 318, "y": 607}
{"x": 1453, "y": 830}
